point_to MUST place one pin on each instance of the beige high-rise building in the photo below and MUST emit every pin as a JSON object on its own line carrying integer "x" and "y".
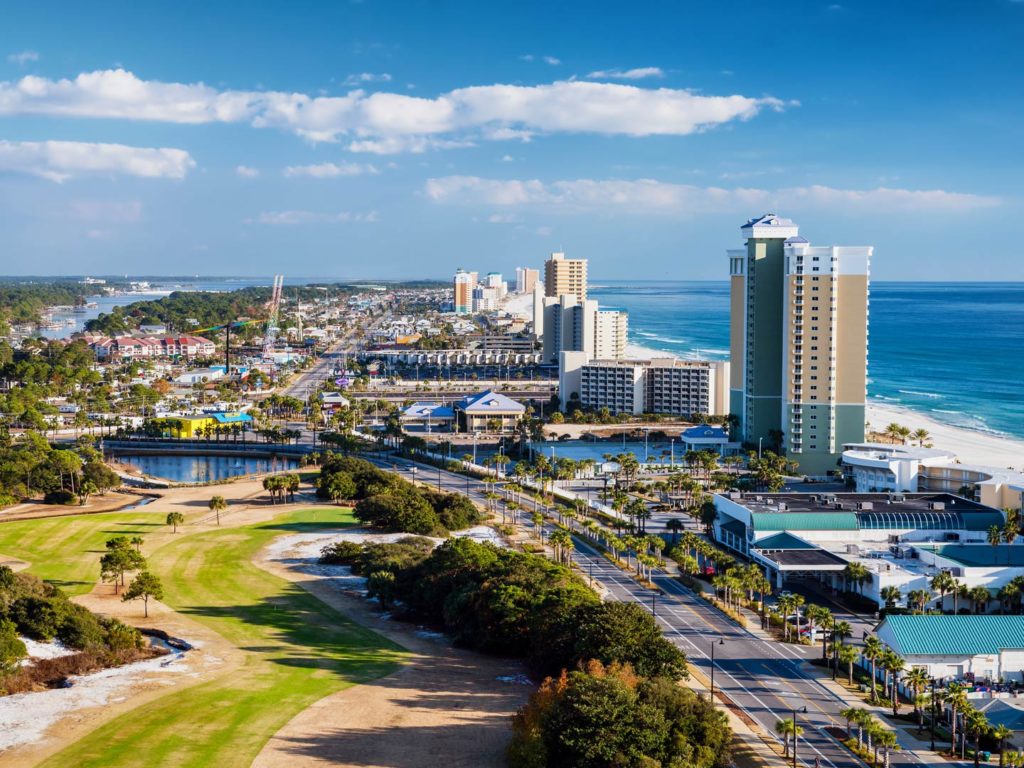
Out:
{"x": 798, "y": 328}
{"x": 564, "y": 276}
{"x": 464, "y": 284}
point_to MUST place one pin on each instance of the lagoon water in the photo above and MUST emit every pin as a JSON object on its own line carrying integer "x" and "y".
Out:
{"x": 204, "y": 469}
{"x": 952, "y": 351}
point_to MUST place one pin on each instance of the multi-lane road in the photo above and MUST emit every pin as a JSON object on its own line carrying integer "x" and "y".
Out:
{"x": 765, "y": 680}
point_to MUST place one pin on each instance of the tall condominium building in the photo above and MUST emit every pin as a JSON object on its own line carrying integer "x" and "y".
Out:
{"x": 661, "y": 385}
{"x": 564, "y": 276}
{"x": 526, "y": 278}
{"x": 798, "y": 335}
{"x": 571, "y": 325}
{"x": 465, "y": 282}
{"x": 611, "y": 328}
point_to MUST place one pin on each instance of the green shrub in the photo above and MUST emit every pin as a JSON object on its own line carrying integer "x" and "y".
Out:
{"x": 66, "y": 498}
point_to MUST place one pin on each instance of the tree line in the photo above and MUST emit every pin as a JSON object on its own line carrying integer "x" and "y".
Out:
{"x": 386, "y": 501}
{"x": 612, "y": 655}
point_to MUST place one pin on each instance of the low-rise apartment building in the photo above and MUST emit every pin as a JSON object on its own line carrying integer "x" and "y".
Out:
{"x": 660, "y": 385}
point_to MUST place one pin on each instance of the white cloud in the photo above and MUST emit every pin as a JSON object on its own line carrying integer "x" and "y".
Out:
{"x": 62, "y": 160}
{"x": 394, "y": 145}
{"x": 649, "y": 196}
{"x": 638, "y": 73}
{"x": 367, "y": 77}
{"x": 502, "y": 218}
{"x": 21, "y": 58}
{"x": 390, "y": 122}
{"x": 329, "y": 170}
{"x": 247, "y": 172}
{"x": 315, "y": 217}
{"x": 113, "y": 211}
{"x": 553, "y": 61}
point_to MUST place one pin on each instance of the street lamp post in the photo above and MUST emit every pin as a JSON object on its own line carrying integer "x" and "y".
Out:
{"x": 672, "y": 451}
{"x": 721, "y": 641}
{"x": 804, "y": 711}
{"x": 759, "y": 446}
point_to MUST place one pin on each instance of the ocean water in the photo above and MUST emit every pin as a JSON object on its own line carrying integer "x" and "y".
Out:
{"x": 953, "y": 351}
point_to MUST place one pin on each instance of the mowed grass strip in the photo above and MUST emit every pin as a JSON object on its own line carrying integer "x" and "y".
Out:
{"x": 67, "y": 550}
{"x": 297, "y": 650}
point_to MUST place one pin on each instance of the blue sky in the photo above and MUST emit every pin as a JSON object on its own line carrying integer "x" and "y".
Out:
{"x": 403, "y": 140}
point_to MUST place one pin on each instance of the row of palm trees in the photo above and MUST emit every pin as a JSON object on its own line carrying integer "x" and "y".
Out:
{"x": 972, "y": 722}
{"x": 901, "y": 434}
{"x": 281, "y": 487}
{"x": 943, "y": 583}
{"x": 871, "y": 733}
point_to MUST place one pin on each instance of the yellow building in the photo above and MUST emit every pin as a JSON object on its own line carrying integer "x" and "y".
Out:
{"x": 200, "y": 425}
{"x": 564, "y": 276}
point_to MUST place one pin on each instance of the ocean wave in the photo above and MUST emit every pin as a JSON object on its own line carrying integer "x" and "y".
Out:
{"x": 931, "y": 395}
{"x": 663, "y": 339}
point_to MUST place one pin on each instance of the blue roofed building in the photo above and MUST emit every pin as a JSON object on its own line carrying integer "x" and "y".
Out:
{"x": 948, "y": 647}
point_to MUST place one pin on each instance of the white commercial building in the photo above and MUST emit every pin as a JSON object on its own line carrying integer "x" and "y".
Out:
{"x": 907, "y": 468}
{"x": 661, "y": 385}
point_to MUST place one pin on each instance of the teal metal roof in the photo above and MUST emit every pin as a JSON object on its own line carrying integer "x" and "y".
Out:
{"x": 946, "y": 635}
{"x": 982, "y": 555}
{"x": 735, "y": 527}
{"x": 782, "y": 541}
{"x": 804, "y": 521}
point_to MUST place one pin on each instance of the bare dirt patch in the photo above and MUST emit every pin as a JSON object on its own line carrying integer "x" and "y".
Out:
{"x": 445, "y": 707}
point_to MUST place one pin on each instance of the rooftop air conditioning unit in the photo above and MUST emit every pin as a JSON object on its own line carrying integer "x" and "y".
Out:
{"x": 936, "y": 506}
{"x": 865, "y": 505}
{"x": 852, "y": 549}
{"x": 783, "y": 507}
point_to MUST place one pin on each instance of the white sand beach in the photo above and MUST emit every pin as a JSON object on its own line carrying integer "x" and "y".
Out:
{"x": 970, "y": 446}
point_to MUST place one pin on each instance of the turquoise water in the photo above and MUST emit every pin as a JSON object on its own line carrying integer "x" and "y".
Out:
{"x": 950, "y": 350}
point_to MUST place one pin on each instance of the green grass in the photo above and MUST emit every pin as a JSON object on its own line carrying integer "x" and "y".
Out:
{"x": 66, "y": 550}
{"x": 296, "y": 649}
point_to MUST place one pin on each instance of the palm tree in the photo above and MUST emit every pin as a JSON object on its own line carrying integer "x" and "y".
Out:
{"x": 1001, "y": 733}
{"x": 891, "y": 595}
{"x": 918, "y": 599}
{"x": 847, "y": 655}
{"x": 856, "y": 573}
{"x": 995, "y": 536}
{"x": 893, "y": 664}
{"x": 979, "y": 596}
{"x": 921, "y": 435}
{"x": 872, "y": 652}
{"x": 943, "y": 583}
{"x": 788, "y": 729}
{"x": 887, "y": 741}
{"x": 863, "y": 720}
{"x": 849, "y": 715}
{"x": 956, "y": 697}
{"x": 217, "y": 504}
{"x": 917, "y": 680}
{"x": 821, "y": 617}
{"x": 976, "y": 724}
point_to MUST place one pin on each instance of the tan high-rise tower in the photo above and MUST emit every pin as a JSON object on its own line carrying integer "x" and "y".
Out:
{"x": 564, "y": 276}
{"x": 798, "y": 334}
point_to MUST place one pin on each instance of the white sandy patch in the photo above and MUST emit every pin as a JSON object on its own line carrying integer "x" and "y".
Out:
{"x": 301, "y": 551}
{"x": 519, "y": 304}
{"x": 54, "y": 650}
{"x": 24, "y": 717}
{"x": 970, "y": 446}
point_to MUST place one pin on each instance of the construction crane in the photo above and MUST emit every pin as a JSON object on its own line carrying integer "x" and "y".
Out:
{"x": 272, "y": 319}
